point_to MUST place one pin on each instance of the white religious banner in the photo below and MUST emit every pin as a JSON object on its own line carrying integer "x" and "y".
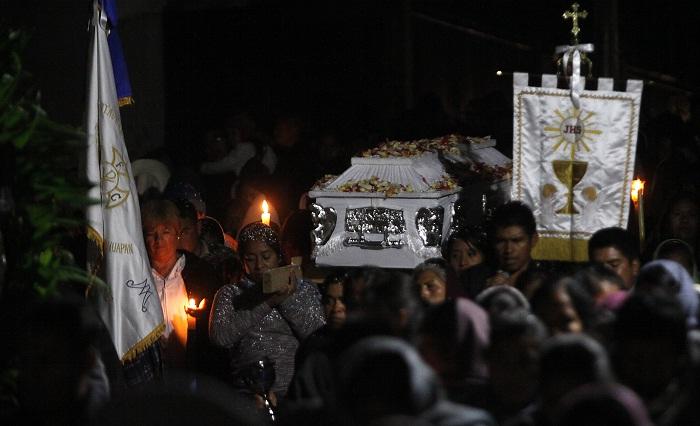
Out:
{"x": 573, "y": 159}
{"x": 128, "y": 305}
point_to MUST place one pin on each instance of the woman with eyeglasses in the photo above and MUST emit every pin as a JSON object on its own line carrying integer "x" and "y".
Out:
{"x": 179, "y": 276}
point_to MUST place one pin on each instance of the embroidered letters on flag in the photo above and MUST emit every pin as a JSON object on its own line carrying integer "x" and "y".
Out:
{"x": 129, "y": 306}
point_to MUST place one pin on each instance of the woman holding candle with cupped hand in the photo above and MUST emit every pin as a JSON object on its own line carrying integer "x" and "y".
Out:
{"x": 255, "y": 326}
{"x": 179, "y": 275}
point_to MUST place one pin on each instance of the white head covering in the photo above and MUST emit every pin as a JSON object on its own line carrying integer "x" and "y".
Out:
{"x": 679, "y": 243}
{"x": 149, "y": 174}
{"x": 686, "y": 295}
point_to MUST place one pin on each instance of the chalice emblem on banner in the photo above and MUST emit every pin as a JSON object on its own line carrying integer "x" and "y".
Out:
{"x": 570, "y": 173}
{"x": 572, "y": 134}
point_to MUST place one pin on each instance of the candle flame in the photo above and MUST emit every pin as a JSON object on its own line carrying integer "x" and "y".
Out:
{"x": 192, "y": 304}
{"x": 265, "y": 216}
{"x": 637, "y": 188}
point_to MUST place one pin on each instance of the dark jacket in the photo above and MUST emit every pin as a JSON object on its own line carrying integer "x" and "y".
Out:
{"x": 201, "y": 281}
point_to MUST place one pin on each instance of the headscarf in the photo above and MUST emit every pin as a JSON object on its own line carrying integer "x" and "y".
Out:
{"x": 687, "y": 295}
{"x": 682, "y": 244}
{"x": 473, "y": 331}
{"x": 186, "y": 191}
{"x": 420, "y": 388}
{"x": 500, "y": 298}
{"x": 257, "y": 231}
{"x": 212, "y": 232}
{"x": 385, "y": 377}
{"x": 603, "y": 404}
{"x": 461, "y": 326}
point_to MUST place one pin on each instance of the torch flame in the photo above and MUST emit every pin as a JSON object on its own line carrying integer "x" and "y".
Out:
{"x": 637, "y": 188}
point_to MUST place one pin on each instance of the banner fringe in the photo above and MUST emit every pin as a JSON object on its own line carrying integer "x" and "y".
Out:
{"x": 127, "y": 100}
{"x": 95, "y": 236}
{"x": 567, "y": 250}
{"x": 141, "y": 346}
{"x": 94, "y": 265}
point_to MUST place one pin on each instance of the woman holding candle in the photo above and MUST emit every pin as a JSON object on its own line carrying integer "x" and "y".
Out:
{"x": 253, "y": 325}
{"x": 178, "y": 276}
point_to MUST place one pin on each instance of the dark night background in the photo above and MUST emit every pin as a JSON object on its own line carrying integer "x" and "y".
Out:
{"x": 364, "y": 67}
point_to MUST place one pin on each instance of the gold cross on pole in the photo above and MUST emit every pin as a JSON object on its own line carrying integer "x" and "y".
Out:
{"x": 574, "y": 14}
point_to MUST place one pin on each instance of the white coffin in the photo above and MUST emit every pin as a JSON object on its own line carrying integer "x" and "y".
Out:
{"x": 403, "y": 248}
{"x": 404, "y": 225}
{"x": 481, "y": 196}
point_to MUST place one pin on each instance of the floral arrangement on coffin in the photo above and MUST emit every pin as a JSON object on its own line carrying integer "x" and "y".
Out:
{"x": 447, "y": 183}
{"x": 448, "y": 143}
{"x": 461, "y": 157}
{"x": 492, "y": 173}
{"x": 323, "y": 181}
{"x": 374, "y": 184}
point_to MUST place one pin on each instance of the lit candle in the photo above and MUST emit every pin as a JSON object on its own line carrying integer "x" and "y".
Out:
{"x": 265, "y": 217}
{"x": 637, "y": 195}
{"x": 192, "y": 309}
{"x": 191, "y": 320}
{"x": 637, "y": 186}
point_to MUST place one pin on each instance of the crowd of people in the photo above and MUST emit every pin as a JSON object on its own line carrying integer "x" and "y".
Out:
{"x": 483, "y": 335}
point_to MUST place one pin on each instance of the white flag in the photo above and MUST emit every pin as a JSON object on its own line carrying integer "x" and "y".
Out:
{"x": 573, "y": 165}
{"x": 129, "y": 306}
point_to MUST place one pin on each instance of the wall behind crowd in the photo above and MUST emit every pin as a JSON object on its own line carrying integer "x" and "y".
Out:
{"x": 401, "y": 69}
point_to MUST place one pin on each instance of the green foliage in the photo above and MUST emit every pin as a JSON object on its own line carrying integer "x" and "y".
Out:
{"x": 48, "y": 194}
{"x": 43, "y": 202}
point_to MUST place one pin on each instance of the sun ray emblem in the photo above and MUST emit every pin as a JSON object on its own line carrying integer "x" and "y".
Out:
{"x": 115, "y": 180}
{"x": 572, "y": 131}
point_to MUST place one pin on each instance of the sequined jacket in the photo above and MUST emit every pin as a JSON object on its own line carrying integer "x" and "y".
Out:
{"x": 250, "y": 329}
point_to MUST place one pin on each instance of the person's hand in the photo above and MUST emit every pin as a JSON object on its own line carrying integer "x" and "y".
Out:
{"x": 198, "y": 312}
{"x": 500, "y": 278}
{"x": 281, "y": 295}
